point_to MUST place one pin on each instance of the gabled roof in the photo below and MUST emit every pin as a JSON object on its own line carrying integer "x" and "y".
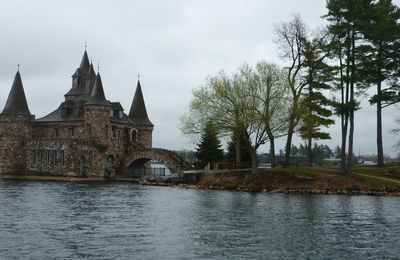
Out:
{"x": 97, "y": 97}
{"x": 138, "y": 113}
{"x": 16, "y": 102}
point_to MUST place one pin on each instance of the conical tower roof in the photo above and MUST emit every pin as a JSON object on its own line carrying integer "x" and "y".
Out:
{"x": 91, "y": 73}
{"x": 85, "y": 64}
{"x": 97, "y": 97}
{"x": 16, "y": 102}
{"x": 138, "y": 113}
{"x": 90, "y": 81}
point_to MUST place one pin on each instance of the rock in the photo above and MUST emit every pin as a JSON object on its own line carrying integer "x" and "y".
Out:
{"x": 354, "y": 188}
{"x": 302, "y": 176}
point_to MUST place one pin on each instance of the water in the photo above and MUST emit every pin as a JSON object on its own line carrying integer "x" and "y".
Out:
{"x": 70, "y": 220}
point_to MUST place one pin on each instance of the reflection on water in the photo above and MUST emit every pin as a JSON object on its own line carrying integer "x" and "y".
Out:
{"x": 67, "y": 220}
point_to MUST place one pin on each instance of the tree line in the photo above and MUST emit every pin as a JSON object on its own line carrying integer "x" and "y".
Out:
{"x": 358, "y": 49}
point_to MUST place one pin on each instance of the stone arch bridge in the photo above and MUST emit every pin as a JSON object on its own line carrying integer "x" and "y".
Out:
{"x": 138, "y": 157}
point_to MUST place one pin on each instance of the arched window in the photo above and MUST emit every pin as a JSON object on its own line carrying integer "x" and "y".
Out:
{"x": 110, "y": 162}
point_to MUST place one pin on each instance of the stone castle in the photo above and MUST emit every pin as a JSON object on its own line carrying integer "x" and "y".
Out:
{"x": 87, "y": 135}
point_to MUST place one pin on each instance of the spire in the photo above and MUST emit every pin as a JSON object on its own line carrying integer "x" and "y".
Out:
{"x": 90, "y": 80}
{"x": 85, "y": 64}
{"x": 97, "y": 97}
{"x": 16, "y": 102}
{"x": 138, "y": 113}
{"x": 91, "y": 73}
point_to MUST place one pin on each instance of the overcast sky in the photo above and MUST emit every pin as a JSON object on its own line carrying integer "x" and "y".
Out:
{"x": 174, "y": 45}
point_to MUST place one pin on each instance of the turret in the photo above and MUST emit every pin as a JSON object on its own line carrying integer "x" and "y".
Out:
{"x": 80, "y": 79}
{"x": 97, "y": 123}
{"x": 15, "y": 129}
{"x": 138, "y": 115}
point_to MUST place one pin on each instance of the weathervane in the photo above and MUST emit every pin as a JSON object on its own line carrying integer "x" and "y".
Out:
{"x": 138, "y": 77}
{"x": 85, "y": 45}
{"x": 18, "y": 67}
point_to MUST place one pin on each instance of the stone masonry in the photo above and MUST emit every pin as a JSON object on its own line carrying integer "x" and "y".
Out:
{"x": 87, "y": 135}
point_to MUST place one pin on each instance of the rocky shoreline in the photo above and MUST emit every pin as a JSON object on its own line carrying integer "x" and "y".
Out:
{"x": 288, "y": 183}
{"x": 352, "y": 190}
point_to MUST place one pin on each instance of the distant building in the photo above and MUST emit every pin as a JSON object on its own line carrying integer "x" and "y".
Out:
{"x": 87, "y": 135}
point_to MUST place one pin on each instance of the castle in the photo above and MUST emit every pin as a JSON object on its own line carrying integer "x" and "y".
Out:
{"x": 87, "y": 135}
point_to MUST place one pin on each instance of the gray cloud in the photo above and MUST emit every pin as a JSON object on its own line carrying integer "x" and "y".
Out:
{"x": 174, "y": 45}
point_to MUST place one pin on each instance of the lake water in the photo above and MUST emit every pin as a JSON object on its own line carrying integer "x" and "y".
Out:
{"x": 97, "y": 220}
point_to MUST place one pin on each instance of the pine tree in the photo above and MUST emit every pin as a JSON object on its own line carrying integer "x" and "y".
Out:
{"x": 315, "y": 111}
{"x": 243, "y": 147}
{"x": 380, "y": 59}
{"x": 209, "y": 149}
{"x": 345, "y": 17}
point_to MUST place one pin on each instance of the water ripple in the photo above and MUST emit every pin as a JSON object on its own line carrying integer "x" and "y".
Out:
{"x": 65, "y": 220}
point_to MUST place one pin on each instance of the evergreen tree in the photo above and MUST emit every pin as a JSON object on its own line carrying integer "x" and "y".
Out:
{"x": 321, "y": 152}
{"x": 345, "y": 17}
{"x": 315, "y": 112}
{"x": 209, "y": 149}
{"x": 337, "y": 152}
{"x": 243, "y": 147}
{"x": 380, "y": 59}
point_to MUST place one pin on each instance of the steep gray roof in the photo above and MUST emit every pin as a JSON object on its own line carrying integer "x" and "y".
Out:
{"x": 90, "y": 81}
{"x": 97, "y": 97}
{"x": 85, "y": 75}
{"x": 85, "y": 64}
{"x": 16, "y": 102}
{"x": 58, "y": 116}
{"x": 138, "y": 113}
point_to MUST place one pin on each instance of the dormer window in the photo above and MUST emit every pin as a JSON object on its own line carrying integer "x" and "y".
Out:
{"x": 120, "y": 114}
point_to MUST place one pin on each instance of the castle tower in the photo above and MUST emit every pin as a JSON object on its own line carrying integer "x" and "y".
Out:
{"x": 15, "y": 128}
{"x": 138, "y": 115}
{"x": 80, "y": 79}
{"x": 97, "y": 123}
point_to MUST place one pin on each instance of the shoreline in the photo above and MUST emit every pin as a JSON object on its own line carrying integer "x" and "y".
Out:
{"x": 242, "y": 181}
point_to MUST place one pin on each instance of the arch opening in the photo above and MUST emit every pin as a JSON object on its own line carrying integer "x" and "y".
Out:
{"x": 139, "y": 163}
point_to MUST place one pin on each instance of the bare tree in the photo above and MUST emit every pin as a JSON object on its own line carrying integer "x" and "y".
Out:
{"x": 291, "y": 37}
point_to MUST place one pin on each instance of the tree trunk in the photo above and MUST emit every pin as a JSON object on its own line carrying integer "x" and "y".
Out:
{"x": 238, "y": 152}
{"x": 272, "y": 150}
{"x": 379, "y": 135}
{"x": 288, "y": 146}
{"x": 254, "y": 161}
{"x": 344, "y": 119}
{"x": 350, "y": 155}
{"x": 352, "y": 100}
{"x": 379, "y": 141}
{"x": 309, "y": 151}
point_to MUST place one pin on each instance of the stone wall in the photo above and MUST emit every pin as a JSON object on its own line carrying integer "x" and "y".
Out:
{"x": 96, "y": 147}
{"x": 68, "y": 129}
{"x": 97, "y": 123}
{"x": 145, "y": 136}
{"x": 14, "y": 130}
{"x": 55, "y": 156}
